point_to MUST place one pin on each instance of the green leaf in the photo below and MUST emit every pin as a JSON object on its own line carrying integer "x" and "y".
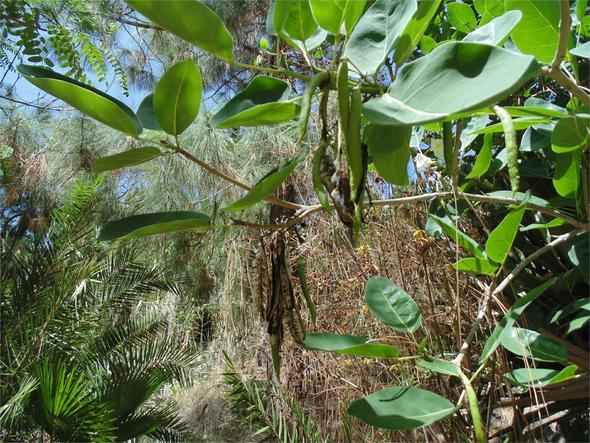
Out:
{"x": 510, "y": 318}
{"x": 146, "y": 114}
{"x": 262, "y": 102}
{"x": 531, "y": 344}
{"x": 427, "y": 44}
{"x": 349, "y": 345}
{"x": 476, "y": 265}
{"x": 461, "y": 17}
{"x": 532, "y": 140}
{"x": 501, "y": 238}
{"x": 154, "y": 223}
{"x": 496, "y": 31}
{"x": 377, "y": 33}
{"x": 391, "y": 305}
{"x": 520, "y": 197}
{"x": 440, "y": 366}
{"x": 577, "y": 323}
{"x": 519, "y": 123}
{"x": 415, "y": 30}
{"x": 582, "y": 51}
{"x": 551, "y": 224}
{"x": 390, "y": 152}
{"x": 539, "y": 107}
{"x": 566, "y": 177}
{"x": 125, "y": 159}
{"x": 177, "y": 97}
{"x": 571, "y": 134}
{"x": 84, "y": 98}
{"x": 484, "y": 159}
{"x": 191, "y": 20}
{"x": 488, "y": 9}
{"x": 539, "y": 377}
{"x": 265, "y": 187}
{"x": 457, "y": 236}
{"x": 537, "y": 32}
{"x": 332, "y": 15}
{"x": 401, "y": 407}
{"x": 318, "y": 185}
{"x": 570, "y": 308}
{"x": 453, "y": 79}
{"x": 295, "y": 18}
{"x": 579, "y": 254}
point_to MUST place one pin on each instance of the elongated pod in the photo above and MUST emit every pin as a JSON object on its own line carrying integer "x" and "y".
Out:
{"x": 511, "y": 147}
{"x": 318, "y": 184}
{"x": 343, "y": 100}
{"x": 306, "y": 99}
{"x": 355, "y": 155}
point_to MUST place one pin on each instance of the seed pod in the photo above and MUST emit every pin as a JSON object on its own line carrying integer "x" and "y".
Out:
{"x": 318, "y": 184}
{"x": 511, "y": 147}
{"x": 305, "y": 288}
{"x": 343, "y": 98}
{"x": 315, "y": 81}
{"x": 355, "y": 155}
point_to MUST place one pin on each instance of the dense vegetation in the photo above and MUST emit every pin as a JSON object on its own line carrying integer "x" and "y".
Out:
{"x": 411, "y": 263}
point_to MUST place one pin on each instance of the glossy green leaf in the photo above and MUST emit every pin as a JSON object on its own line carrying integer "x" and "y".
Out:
{"x": 84, "y": 98}
{"x": 265, "y": 187}
{"x": 520, "y": 197}
{"x": 577, "y": 323}
{"x": 483, "y": 160}
{"x": 177, "y": 97}
{"x": 531, "y": 344}
{"x": 401, "y": 407}
{"x": 333, "y": 15}
{"x": 552, "y": 224}
{"x": 427, "y": 44}
{"x": 454, "y": 78}
{"x": 501, "y": 238}
{"x": 532, "y": 140}
{"x": 146, "y": 114}
{"x": 390, "y": 152}
{"x": 489, "y": 9}
{"x": 154, "y": 223}
{"x": 539, "y": 377}
{"x": 579, "y": 254}
{"x": 457, "y": 236}
{"x": 582, "y": 51}
{"x": 441, "y": 366}
{"x": 294, "y": 17}
{"x": 391, "y": 305}
{"x": 496, "y": 31}
{"x": 476, "y": 266}
{"x": 415, "y": 30}
{"x": 377, "y": 33}
{"x": 469, "y": 126}
{"x": 191, "y": 20}
{"x": 566, "y": 177}
{"x": 571, "y": 134}
{"x": 569, "y": 309}
{"x": 461, "y": 17}
{"x": 519, "y": 124}
{"x": 349, "y": 345}
{"x": 537, "y": 32}
{"x": 539, "y": 107}
{"x": 262, "y": 102}
{"x": 125, "y": 159}
{"x": 511, "y": 317}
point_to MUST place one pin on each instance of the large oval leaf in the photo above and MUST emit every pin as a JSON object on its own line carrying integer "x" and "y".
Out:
{"x": 146, "y": 114}
{"x": 191, "y": 20}
{"x": 125, "y": 159}
{"x": 441, "y": 366}
{"x": 332, "y": 15}
{"x": 265, "y": 187}
{"x": 391, "y": 305}
{"x": 461, "y": 17}
{"x": 294, "y": 17}
{"x": 377, "y": 33}
{"x": 539, "y": 377}
{"x": 496, "y": 31}
{"x": 154, "y": 223}
{"x": 454, "y": 78}
{"x": 566, "y": 177}
{"x": 262, "y": 102}
{"x": 390, "y": 152}
{"x": 537, "y": 33}
{"x": 177, "y": 97}
{"x": 349, "y": 345}
{"x": 531, "y": 344}
{"x": 401, "y": 407}
{"x": 571, "y": 133}
{"x": 415, "y": 30}
{"x": 84, "y": 98}
{"x": 501, "y": 238}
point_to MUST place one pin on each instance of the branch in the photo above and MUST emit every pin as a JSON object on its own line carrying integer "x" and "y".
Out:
{"x": 138, "y": 24}
{"x": 554, "y": 71}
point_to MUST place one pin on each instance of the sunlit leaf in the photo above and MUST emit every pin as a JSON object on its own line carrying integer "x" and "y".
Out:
{"x": 125, "y": 159}
{"x": 349, "y": 345}
{"x": 500, "y": 241}
{"x": 531, "y": 344}
{"x": 390, "y": 152}
{"x": 496, "y": 31}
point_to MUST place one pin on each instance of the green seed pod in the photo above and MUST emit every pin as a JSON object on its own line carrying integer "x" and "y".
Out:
{"x": 355, "y": 155}
{"x": 511, "y": 147}
{"x": 306, "y": 99}
{"x": 318, "y": 184}
{"x": 343, "y": 100}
